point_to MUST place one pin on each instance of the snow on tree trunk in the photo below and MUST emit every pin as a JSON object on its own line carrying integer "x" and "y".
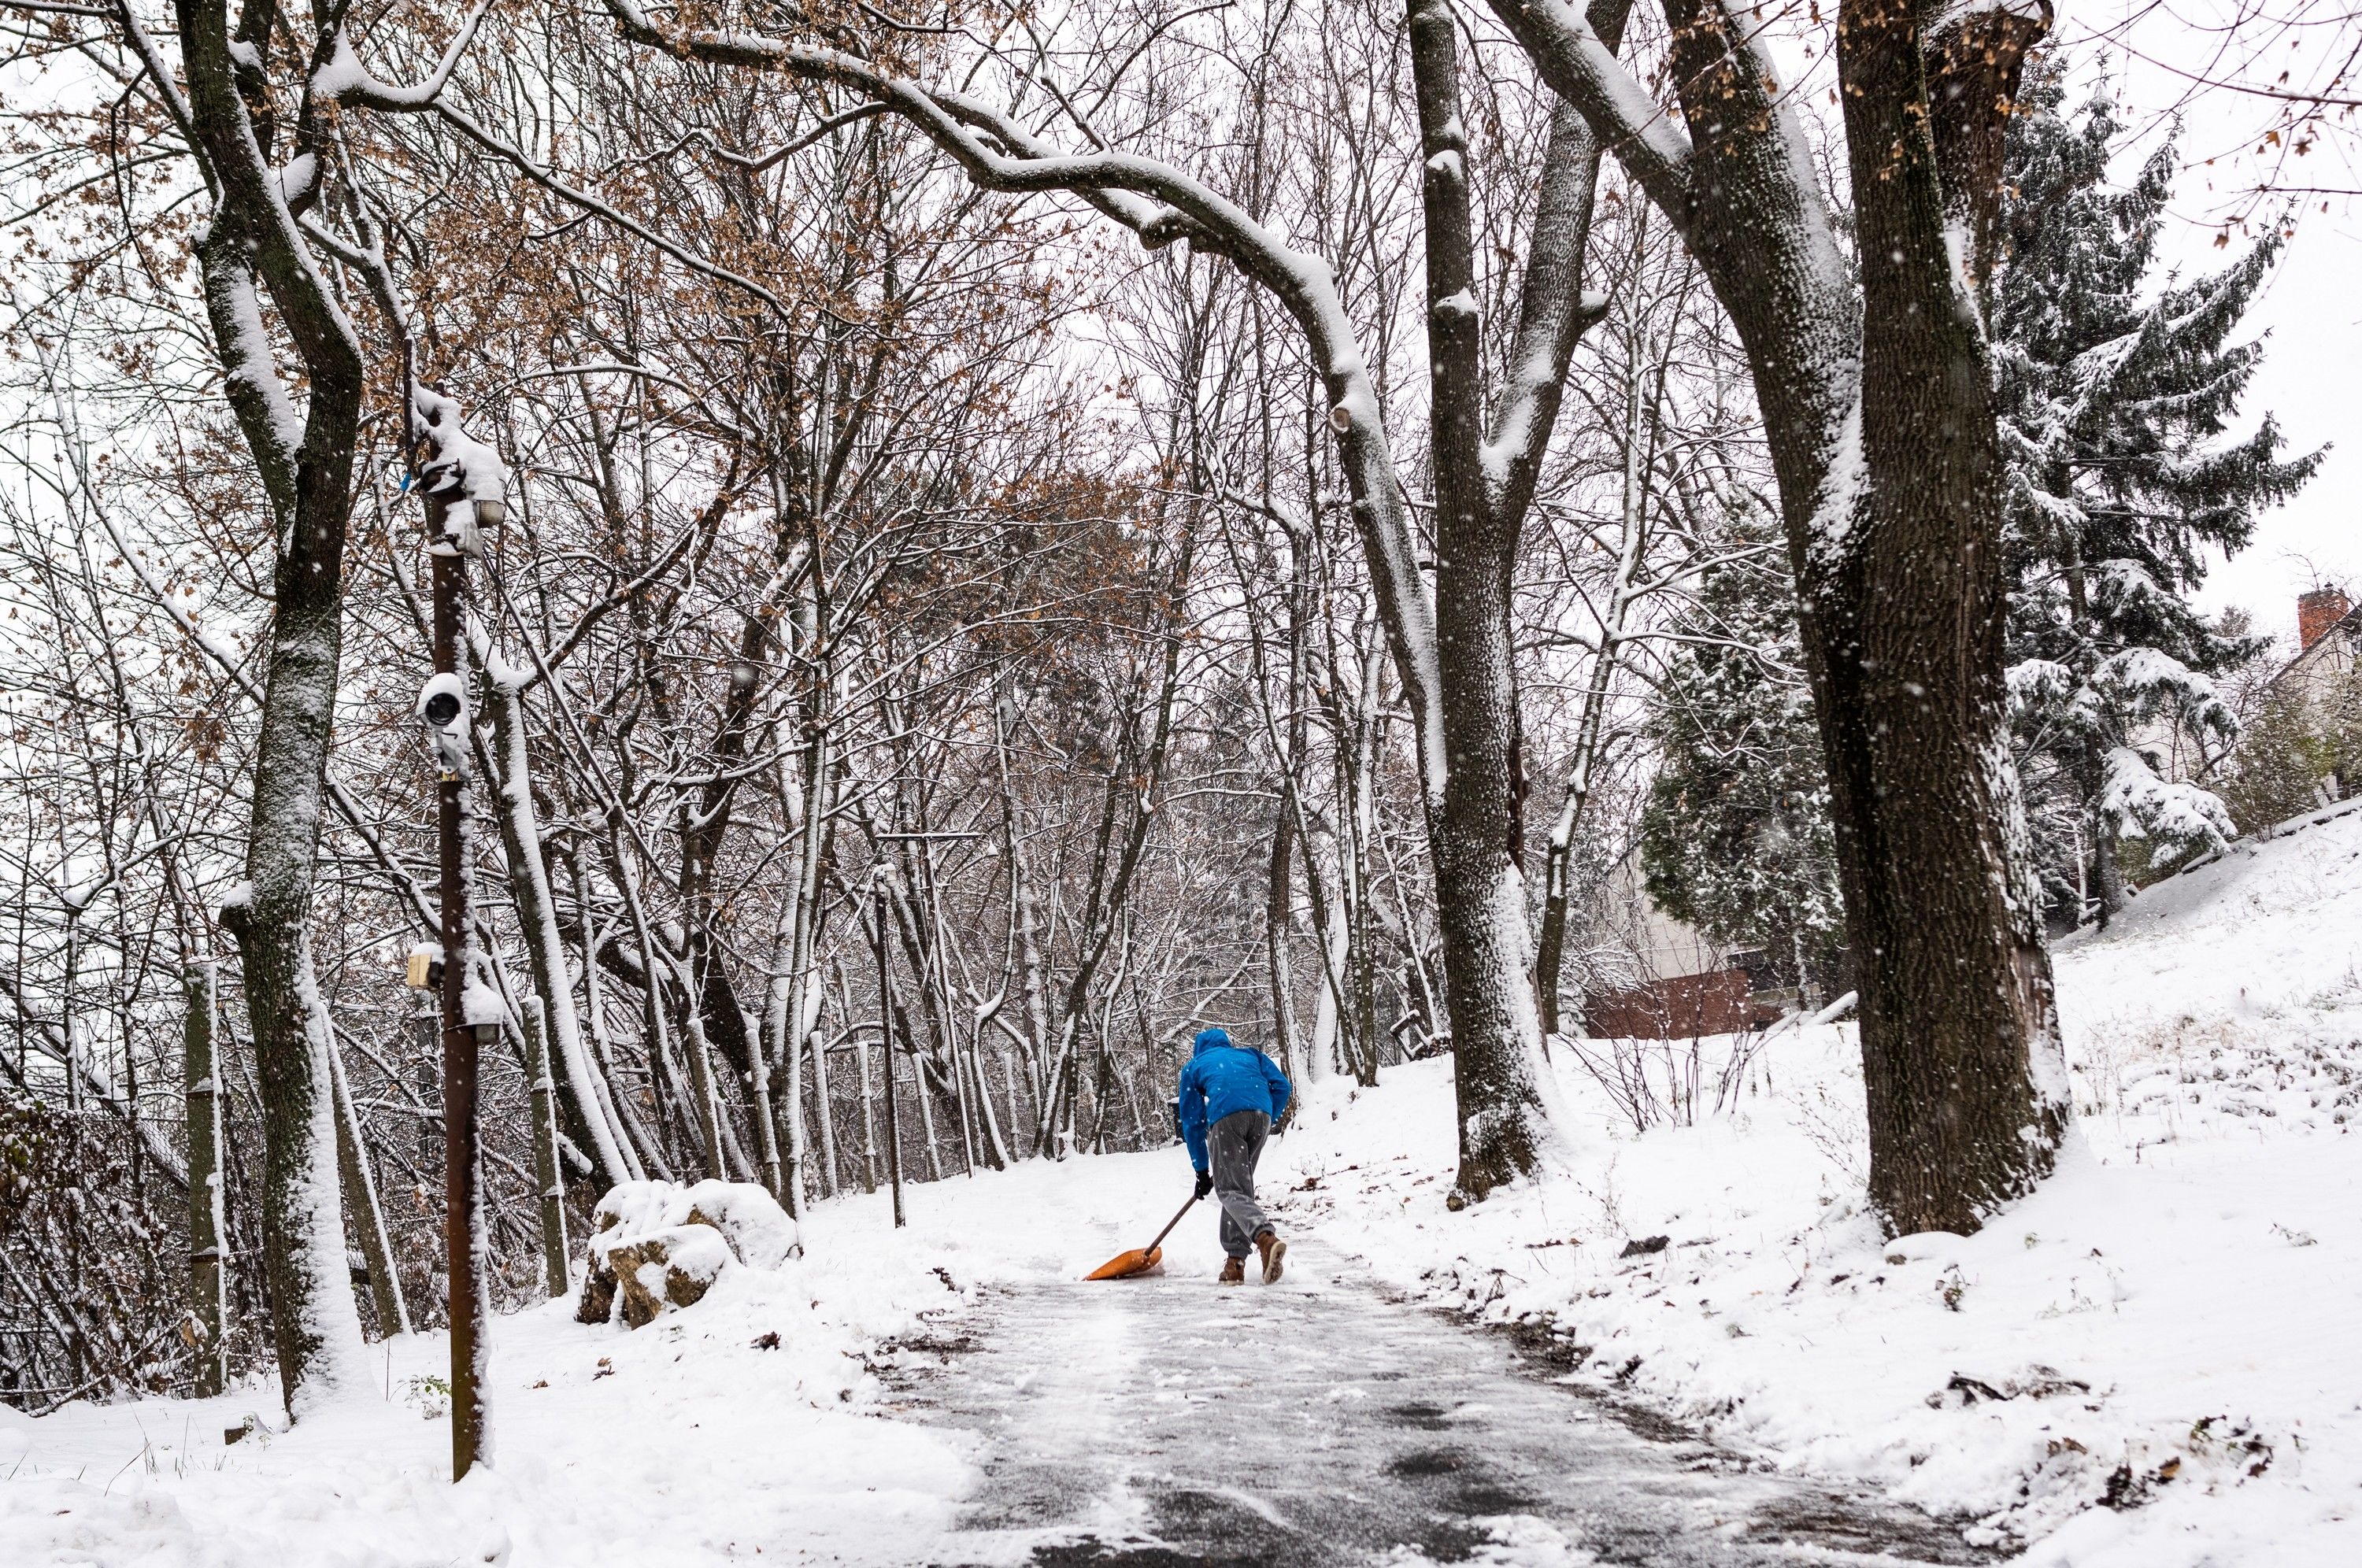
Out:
{"x": 1476, "y": 829}
{"x": 316, "y": 1323}
{"x": 303, "y": 473}
{"x": 1484, "y": 486}
{"x": 544, "y": 946}
{"x": 315, "y": 1327}
{"x": 369, "y": 1215}
{"x": 546, "y": 1174}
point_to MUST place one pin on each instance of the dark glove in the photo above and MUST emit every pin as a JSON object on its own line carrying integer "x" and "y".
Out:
{"x": 1204, "y": 1183}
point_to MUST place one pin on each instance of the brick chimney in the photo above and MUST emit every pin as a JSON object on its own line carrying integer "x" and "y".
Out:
{"x": 2318, "y": 610}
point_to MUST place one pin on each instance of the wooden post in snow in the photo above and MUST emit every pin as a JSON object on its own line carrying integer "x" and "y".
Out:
{"x": 444, "y": 709}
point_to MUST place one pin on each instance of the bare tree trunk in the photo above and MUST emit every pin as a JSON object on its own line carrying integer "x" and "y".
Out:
{"x": 2106, "y": 880}
{"x": 774, "y": 1048}
{"x": 654, "y": 964}
{"x": 705, "y": 823}
{"x": 369, "y": 1216}
{"x": 977, "y": 1127}
{"x": 1022, "y": 958}
{"x": 700, "y": 1084}
{"x": 637, "y": 1146}
{"x": 2107, "y": 871}
{"x": 926, "y": 1105}
{"x": 1936, "y": 869}
{"x": 868, "y": 1119}
{"x": 555, "y": 1277}
{"x": 766, "y": 1114}
{"x": 1358, "y": 767}
{"x": 791, "y": 1096}
{"x": 885, "y": 954}
{"x": 1016, "y": 1102}
{"x": 208, "y": 1311}
{"x": 1031, "y": 971}
{"x": 512, "y": 793}
{"x": 314, "y": 1326}
{"x": 1484, "y": 485}
{"x": 1479, "y": 830}
{"x": 1328, "y": 1009}
{"x": 797, "y": 1006}
{"x": 1279, "y": 916}
{"x": 995, "y": 1147}
{"x": 827, "y": 1118}
{"x": 1878, "y": 419}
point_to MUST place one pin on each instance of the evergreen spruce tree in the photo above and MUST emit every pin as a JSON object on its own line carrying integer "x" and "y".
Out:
{"x": 2113, "y": 403}
{"x": 1735, "y": 836}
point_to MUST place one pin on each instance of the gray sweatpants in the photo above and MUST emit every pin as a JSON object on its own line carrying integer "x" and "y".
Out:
{"x": 1234, "y": 1145}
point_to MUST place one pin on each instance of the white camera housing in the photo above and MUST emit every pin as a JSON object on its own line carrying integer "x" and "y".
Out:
{"x": 443, "y": 709}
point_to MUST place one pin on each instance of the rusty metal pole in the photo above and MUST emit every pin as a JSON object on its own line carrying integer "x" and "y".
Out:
{"x": 462, "y": 1151}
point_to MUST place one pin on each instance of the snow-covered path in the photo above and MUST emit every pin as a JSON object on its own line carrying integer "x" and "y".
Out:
{"x": 1171, "y": 1420}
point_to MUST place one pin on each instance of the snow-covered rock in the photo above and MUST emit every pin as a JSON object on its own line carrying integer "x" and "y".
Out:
{"x": 658, "y": 1246}
{"x": 663, "y": 1271}
{"x": 757, "y": 1228}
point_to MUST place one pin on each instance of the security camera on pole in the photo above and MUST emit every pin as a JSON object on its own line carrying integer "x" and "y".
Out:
{"x": 465, "y": 490}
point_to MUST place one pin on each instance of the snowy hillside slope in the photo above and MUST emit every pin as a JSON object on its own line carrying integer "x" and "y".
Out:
{"x": 2153, "y": 1361}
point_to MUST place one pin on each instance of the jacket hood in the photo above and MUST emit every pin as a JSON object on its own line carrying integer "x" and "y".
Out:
{"x": 1210, "y": 1039}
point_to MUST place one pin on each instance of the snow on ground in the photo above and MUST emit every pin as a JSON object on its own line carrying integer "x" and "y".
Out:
{"x": 681, "y": 1442}
{"x": 2165, "y": 1326}
{"x": 685, "y": 1441}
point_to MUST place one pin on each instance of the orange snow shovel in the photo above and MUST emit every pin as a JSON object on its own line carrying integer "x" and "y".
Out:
{"x": 1139, "y": 1260}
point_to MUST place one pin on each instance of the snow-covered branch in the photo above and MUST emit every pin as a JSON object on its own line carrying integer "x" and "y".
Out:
{"x": 341, "y": 77}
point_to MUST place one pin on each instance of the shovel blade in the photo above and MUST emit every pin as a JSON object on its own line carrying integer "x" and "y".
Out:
{"x": 1123, "y": 1265}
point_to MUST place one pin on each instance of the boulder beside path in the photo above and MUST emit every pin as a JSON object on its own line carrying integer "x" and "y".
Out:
{"x": 658, "y": 1246}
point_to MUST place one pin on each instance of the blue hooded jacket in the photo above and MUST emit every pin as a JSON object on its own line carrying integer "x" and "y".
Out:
{"x": 1220, "y": 1079}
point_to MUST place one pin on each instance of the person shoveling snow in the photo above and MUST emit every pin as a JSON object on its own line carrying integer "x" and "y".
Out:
{"x": 1231, "y": 1094}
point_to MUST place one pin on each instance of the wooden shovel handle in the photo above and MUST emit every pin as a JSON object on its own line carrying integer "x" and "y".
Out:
{"x": 1175, "y": 1221}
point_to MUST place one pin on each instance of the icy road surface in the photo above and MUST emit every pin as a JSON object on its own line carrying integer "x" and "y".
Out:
{"x": 1173, "y": 1420}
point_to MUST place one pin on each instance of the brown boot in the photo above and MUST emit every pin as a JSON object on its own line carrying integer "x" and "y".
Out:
{"x": 1274, "y": 1253}
{"x": 1234, "y": 1270}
